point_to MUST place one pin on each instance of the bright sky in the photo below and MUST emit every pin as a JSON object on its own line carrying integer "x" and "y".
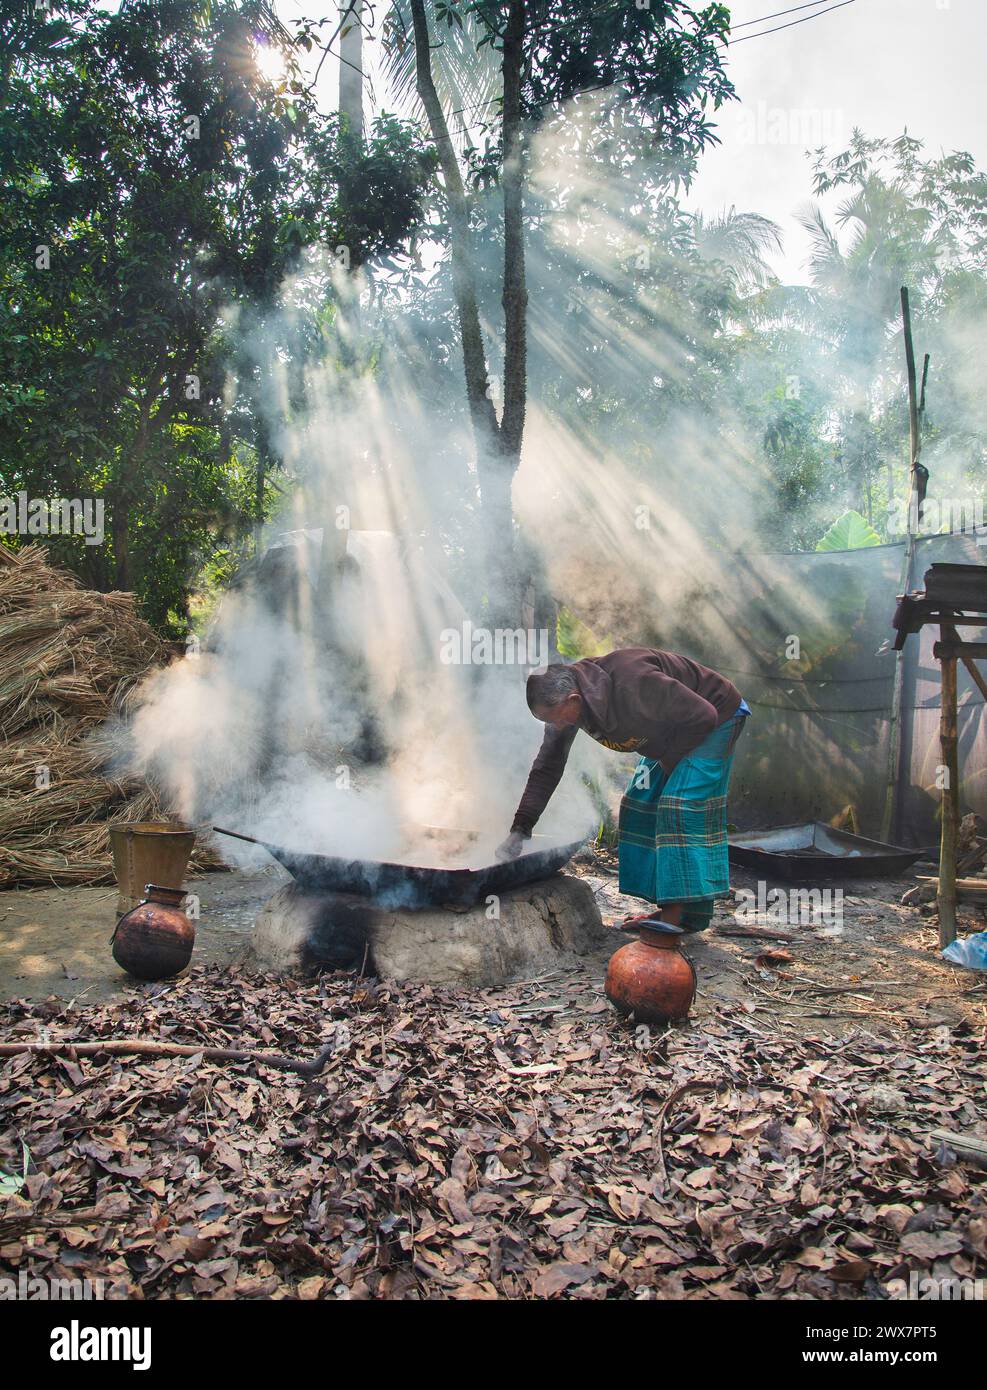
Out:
{"x": 881, "y": 65}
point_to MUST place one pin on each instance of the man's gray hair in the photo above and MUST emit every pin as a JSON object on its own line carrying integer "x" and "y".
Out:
{"x": 550, "y": 686}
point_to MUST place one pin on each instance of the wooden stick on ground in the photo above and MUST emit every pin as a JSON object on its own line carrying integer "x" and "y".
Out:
{"x": 13, "y": 1225}
{"x": 757, "y": 933}
{"x": 136, "y": 1047}
{"x": 965, "y": 1146}
{"x": 657, "y": 1135}
{"x": 973, "y": 889}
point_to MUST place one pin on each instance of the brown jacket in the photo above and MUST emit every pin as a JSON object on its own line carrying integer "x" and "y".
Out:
{"x": 654, "y": 703}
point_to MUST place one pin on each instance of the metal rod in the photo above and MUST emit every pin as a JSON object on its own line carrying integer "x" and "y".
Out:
{"x": 237, "y": 836}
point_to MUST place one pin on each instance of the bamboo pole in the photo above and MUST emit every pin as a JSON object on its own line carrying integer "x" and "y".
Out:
{"x": 917, "y": 479}
{"x": 918, "y": 476}
{"x": 888, "y": 827}
{"x": 950, "y": 804}
{"x": 925, "y": 378}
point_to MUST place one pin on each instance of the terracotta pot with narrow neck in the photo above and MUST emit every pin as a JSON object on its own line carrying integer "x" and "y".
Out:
{"x": 154, "y": 940}
{"x": 650, "y": 978}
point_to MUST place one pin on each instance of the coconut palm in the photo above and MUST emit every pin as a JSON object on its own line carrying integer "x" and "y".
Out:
{"x": 466, "y": 68}
{"x": 739, "y": 242}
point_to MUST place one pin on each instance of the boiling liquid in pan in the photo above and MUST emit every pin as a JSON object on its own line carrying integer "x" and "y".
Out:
{"x": 441, "y": 848}
{"x": 419, "y": 847}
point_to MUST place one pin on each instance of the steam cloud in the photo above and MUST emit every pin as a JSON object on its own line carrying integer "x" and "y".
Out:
{"x": 319, "y": 714}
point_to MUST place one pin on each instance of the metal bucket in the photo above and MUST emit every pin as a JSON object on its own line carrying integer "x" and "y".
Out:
{"x": 148, "y": 852}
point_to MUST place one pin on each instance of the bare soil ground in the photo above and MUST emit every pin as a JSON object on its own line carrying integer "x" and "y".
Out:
{"x": 56, "y": 941}
{"x": 512, "y": 1143}
{"x": 879, "y": 962}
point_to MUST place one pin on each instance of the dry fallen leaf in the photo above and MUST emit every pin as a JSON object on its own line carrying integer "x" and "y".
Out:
{"x": 700, "y": 1177}
{"x": 561, "y": 1276}
{"x": 481, "y": 1145}
{"x": 931, "y": 1245}
{"x": 852, "y": 1272}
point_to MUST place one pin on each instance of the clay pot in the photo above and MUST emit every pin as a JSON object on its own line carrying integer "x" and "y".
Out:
{"x": 154, "y": 940}
{"x": 650, "y": 978}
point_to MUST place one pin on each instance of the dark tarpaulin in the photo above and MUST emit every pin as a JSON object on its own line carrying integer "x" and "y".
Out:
{"x": 807, "y": 639}
{"x": 917, "y": 796}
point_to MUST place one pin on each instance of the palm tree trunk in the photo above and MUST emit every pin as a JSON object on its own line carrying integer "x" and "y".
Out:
{"x": 351, "y": 67}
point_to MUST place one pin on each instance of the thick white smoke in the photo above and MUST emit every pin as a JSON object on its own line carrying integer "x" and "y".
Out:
{"x": 341, "y": 700}
{"x": 324, "y": 713}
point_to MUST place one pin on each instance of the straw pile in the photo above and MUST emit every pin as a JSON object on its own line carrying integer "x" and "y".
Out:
{"x": 71, "y": 658}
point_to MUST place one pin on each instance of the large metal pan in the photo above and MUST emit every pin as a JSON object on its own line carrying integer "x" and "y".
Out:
{"x": 814, "y": 850}
{"x": 408, "y": 885}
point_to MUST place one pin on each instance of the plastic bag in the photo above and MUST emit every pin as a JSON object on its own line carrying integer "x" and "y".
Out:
{"x": 968, "y": 951}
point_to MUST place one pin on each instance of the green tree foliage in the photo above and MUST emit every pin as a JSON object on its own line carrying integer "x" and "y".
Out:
{"x": 662, "y": 64}
{"x": 664, "y": 336}
{"x": 660, "y": 71}
{"x": 153, "y": 179}
{"x": 848, "y": 532}
{"x": 903, "y": 220}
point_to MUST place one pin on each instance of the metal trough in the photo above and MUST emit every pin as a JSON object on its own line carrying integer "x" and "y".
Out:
{"x": 814, "y": 850}
{"x": 412, "y": 885}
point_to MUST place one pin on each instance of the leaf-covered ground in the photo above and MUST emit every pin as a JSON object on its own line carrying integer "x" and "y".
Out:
{"x": 513, "y": 1143}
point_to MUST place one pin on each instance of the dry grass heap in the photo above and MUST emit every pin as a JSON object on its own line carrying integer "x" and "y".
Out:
{"x": 71, "y": 658}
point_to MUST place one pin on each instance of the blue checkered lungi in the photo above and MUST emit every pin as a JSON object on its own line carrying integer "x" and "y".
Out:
{"x": 673, "y": 828}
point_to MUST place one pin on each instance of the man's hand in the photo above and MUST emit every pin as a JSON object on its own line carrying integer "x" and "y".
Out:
{"x": 511, "y": 847}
